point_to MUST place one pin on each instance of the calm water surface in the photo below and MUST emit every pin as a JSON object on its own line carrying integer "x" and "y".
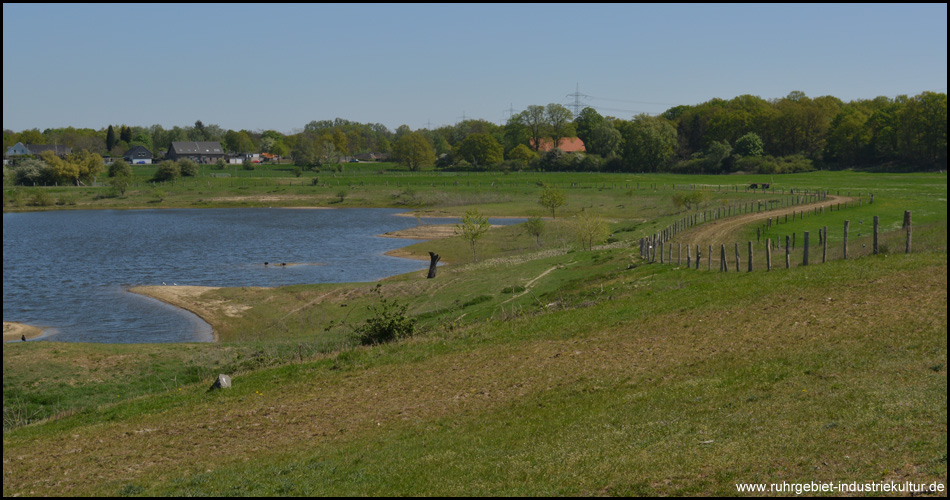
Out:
{"x": 67, "y": 271}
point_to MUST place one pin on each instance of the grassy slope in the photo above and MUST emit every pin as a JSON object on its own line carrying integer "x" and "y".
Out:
{"x": 597, "y": 379}
{"x": 681, "y": 383}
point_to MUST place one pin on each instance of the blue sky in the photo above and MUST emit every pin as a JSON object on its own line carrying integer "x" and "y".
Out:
{"x": 277, "y": 66}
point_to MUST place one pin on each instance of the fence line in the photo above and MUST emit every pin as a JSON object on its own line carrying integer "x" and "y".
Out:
{"x": 877, "y": 246}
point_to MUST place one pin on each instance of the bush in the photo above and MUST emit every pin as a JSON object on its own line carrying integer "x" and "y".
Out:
{"x": 41, "y": 199}
{"x": 120, "y": 168}
{"x": 188, "y": 168}
{"x": 387, "y": 323}
{"x": 33, "y": 172}
{"x": 167, "y": 171}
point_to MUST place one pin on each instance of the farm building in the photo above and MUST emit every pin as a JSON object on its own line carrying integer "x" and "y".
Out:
{"x": 198, "y": 152}
{"x": 568, "y": 145}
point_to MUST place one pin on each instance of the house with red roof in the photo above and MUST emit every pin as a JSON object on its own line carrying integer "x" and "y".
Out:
{"x": 568, "y": 145}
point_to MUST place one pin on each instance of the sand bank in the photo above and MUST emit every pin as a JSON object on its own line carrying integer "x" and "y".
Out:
{"x": 16, "y": 331}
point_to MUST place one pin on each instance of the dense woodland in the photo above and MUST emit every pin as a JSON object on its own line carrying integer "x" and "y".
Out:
{"x": 745, "y": 134}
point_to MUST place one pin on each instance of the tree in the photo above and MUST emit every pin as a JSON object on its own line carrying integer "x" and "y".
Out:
{"x": 585, "y": 123}
{"x": 522, "y": 154}
{"x": 558, "y": 119}
{"x": 121, "y": 182}
{"x": 590, "y": 230}
{"x": 604, "y": 140}
{"x": 552, "y": 198}
{"x": 414, "y": 151}
{"x": 648, "y": 143}
{"x": 77, "y": 168}
{"x": 749, "y": 145}
{"x": 533, "y": 119}
{"x": 125, "y": 134}
{"x": 474, "y": 225}
{"x": 481, "y": 150}
{"x": 535, "y": 227}
{"x": 110, "y": 139}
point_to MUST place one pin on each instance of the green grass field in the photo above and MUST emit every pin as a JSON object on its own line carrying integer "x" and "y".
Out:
{"x": 535, "y": 371}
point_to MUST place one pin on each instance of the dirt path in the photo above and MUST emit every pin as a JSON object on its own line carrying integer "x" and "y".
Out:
{"x": 723, "y": 230}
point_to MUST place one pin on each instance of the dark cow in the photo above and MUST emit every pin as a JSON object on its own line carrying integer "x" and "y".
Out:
{"x": 753, "y": 186}
{"x": 765, "y": 186}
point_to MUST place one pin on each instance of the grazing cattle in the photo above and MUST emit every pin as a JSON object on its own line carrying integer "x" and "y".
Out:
{"x": 753, "y": 186}
{"x": 765, "y": 186}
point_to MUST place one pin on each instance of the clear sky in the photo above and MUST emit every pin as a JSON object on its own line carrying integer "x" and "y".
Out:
{"x": 277, "y": 66}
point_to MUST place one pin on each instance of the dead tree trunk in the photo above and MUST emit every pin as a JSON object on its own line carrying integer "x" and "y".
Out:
{"x": 433, "y": 262}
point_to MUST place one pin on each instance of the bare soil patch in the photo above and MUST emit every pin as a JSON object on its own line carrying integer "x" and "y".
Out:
{"x": 723, "y": 229}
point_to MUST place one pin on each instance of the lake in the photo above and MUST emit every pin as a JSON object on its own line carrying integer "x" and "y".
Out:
{"x": 68, "y": 271}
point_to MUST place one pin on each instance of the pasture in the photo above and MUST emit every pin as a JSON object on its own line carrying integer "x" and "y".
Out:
{"x": 537, "y": 370}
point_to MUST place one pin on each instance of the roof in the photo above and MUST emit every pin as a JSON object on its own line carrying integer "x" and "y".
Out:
{"x": 196, "y": 148}
{"x": 138, "y": 151}
{"x": 39, "y": 148}
{"x": 568, "y": 145}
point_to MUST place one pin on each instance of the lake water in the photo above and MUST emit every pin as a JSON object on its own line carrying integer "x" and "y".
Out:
{"x": 68, "y": 271}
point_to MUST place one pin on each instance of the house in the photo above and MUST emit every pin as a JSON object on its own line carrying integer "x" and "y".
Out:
{"x": 138, "y": 155}
{"x": 568, "y": 145}
{"x": 198, "y": 152}
{"x": 19, "y": 149}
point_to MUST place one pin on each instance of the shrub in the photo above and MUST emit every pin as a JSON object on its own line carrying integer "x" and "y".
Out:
{"x": 167, "y": 171}
{"x": 387, "y": 323}
{"x": 188, "y": 168}
{"x": 41, "y": 199}
{"x": 120, "y": 168}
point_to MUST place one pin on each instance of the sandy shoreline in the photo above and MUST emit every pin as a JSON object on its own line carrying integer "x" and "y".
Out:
{"x": 190, "y": 298}
{"x": 16, "y": 331}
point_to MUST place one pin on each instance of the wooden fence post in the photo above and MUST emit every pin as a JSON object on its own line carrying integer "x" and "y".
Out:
{"x": 768, "y": 254}
{"x": 909, "y": 230}
{"x": 805, "y": 257}
{"x": 709, "y": 259}
{"x": 722, "y": 258}
{"x": 737, "y": 257}
{"x": 750, "y": 256}
{"x": 877, "y": 223}
{"x": 689, "y": 258}
{"x": 788, "y": 255}
{"x": 661, "y": 251}
{"x": 847, "y": 224}
{"x": 824, "y": 247}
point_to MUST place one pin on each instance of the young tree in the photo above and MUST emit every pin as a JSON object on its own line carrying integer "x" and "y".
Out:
{"x": 535, "y": 227}
{"x": 474, "y": 225}
{"x": 590, "y": 230}
{"x": 552, "y": 199}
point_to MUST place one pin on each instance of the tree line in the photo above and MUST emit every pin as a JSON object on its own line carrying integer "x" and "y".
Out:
{"x": 748, "y": 133}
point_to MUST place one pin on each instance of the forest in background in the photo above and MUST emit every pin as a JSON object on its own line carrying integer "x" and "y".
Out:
{"x": 795, "y": 133}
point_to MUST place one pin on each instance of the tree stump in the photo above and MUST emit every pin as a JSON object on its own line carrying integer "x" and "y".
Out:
{"x": 433, "y": 262}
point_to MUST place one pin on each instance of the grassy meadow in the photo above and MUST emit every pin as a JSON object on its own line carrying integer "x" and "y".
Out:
{"x": 540, "y": 369}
